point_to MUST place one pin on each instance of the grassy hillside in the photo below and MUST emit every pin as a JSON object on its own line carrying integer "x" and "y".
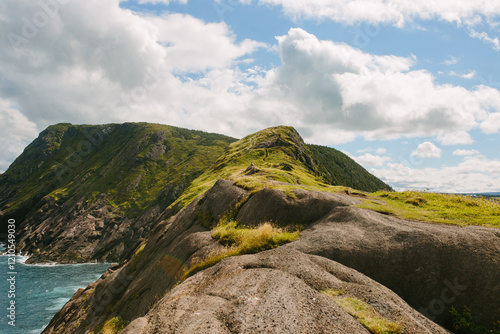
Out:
{"x": 130, "y": 165}
{"x": 277, "y": 157}
{"x": 338, "y": 169}
{"x": 439, "y": 208}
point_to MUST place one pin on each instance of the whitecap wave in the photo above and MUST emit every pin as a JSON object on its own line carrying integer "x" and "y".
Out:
{"x": 57, "y": 304}
{"x": 22, "y": 259}
{"x": 38, "y": 330}
{"x": 48, "y": 264}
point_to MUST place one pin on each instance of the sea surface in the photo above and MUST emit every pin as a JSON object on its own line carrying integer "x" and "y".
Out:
{"x": 40, "y": 291}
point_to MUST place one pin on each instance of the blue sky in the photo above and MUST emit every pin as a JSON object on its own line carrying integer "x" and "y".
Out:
{"x": 409, "y": 89}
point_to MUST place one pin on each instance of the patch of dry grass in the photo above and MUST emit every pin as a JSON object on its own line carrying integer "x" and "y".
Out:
{"x": 365, "y": 314}
{"x": 242, "y": 240}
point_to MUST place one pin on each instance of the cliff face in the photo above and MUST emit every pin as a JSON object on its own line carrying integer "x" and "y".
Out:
{"x": 301, "y": 287}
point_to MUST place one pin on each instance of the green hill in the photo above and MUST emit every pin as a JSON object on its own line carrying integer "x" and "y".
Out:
{"x": 130, "y": 163}
{"x": 278, "y": 157}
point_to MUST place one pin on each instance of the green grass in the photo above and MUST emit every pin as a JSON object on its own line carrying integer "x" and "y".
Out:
{"x": 63, "y": 163}
{"x": 114, "y": 325}
{"x": 365, "y": 314}
{"x": 242, "y": 240}
{"x": 333, "y": 292}
{"x": 286, "y": 167}
{"x": 111, "y": 326}
{"x": 137, "y": 257}
{"x": 440, "y": 208}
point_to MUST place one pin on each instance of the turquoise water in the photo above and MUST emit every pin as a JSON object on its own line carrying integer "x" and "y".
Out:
{"x": 41, "y": 290}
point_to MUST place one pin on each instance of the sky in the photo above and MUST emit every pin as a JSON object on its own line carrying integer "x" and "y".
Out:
{"x": 410, "y": 89}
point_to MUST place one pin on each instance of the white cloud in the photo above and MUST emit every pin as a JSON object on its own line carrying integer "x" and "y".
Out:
{"x": 166, "y": 2}
{"x": 379, "y": 150}
{"x": 396, "y": 12}
{"x": 427, "y": 150}
{"x": 451, "y": 61}
{"x": 370, "y": 160}
{"x": 378, "y": 97}
{"x": 492, "y": 124}
{"x": 455, "y": 138}
{"x": 461, "y": 152}
{"x": 467, "y": 76}
{"x": 483, "y": 36}
{"x": 16, "y": 132}
{"x": 193, "y": 45}
{"x": 474, "y": 174}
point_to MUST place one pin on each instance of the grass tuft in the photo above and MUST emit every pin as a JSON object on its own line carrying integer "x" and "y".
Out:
{"x": 367, "y": 316}
{"x": 137, "y": 257}
{"x": 333, "y": 292}
{"x": 242, "y": 240}
{"x": 114, "y": 325}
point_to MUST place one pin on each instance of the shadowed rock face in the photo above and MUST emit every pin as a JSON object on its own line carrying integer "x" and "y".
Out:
{"x": 344, "y": 247}
{"x": 274, "y": 205}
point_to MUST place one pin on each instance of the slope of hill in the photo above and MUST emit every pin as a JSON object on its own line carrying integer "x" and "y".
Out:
{"x": 84, "y": 192}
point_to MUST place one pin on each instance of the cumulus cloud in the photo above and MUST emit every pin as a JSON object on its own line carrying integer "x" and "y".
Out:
{"x": 461, "y": 152}
{"x": 378, "y": 97}
{"x": 455, "y": 138}
{"x": 491, "y": 124}
{"x": 371, "y": 160}
{"x": 427, "y": 150}
{"x": 474, "y": 174}
{"x": 193, "y": 45}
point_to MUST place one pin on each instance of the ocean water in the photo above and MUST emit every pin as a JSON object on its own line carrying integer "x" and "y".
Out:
{"x": 40, "y": 291}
